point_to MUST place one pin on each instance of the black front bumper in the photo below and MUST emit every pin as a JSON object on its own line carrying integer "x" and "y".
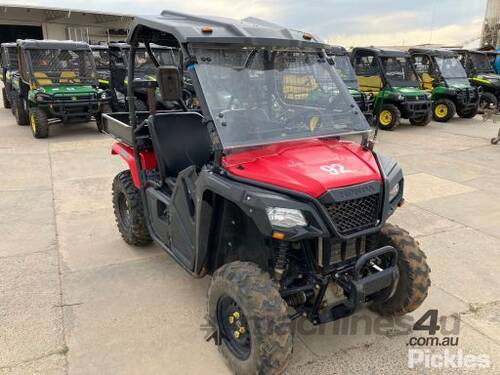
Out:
{"x": 468, "y": 98}
{"x": 415, "y": 108}
{"x": 69, "y": 109}
{"x": 359, "y": 289}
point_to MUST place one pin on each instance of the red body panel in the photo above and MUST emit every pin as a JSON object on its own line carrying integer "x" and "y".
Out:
{"x": 148, "y": 160}
{"x": 311, "y": 167}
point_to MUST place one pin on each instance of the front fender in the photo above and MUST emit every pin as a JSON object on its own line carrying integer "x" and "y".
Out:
{"x": 126, "y": 153}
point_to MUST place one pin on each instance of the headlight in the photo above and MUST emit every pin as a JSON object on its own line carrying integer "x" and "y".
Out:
{"x": 429, "y": 95}
{"x": 394, "y": 192}
{"x": 401, "y": 97}
{"x": 103, "y": 95}
{"x": 285, "y": 217}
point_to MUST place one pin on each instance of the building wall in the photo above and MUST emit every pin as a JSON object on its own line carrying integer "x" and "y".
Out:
{"x": 66, "y": 24}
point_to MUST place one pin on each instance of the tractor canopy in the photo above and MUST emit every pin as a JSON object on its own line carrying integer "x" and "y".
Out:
{"x": 442, "y": 65}
{"x": 64, "y": 64}
{"x": 259, "y": 83}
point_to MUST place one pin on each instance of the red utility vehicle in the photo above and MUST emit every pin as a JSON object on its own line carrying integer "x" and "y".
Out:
{"x": 259, "y": 186}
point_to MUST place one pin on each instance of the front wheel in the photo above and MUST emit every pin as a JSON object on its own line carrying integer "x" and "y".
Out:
{"x": 469, "y": 113}
{"x": 414, "y": 282}
{"x": 488, "y": 101}
{"x": 6, "y": 102}
{"x": 388, "y": 117}
{"x": 443, "y": 110}
{"x": 129, "y": 212}
{"x": 247, "y": 310}
{"x": 422, "y": 120}
{"x": 39, "y": 123}
{"x": 21, "y": 111}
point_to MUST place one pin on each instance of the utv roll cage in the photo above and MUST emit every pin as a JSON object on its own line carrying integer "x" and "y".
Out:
{"x": 101, "y": 58}
{"x": 468, "y": 63}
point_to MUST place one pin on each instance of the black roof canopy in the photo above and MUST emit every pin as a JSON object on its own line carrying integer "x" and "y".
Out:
{"x": 171, "y": 28}
{"x": 433, "y": 52}
{"x": 336, "y": 51}
{"x": 381, "y": 52}
{"x": 53, "y": 44}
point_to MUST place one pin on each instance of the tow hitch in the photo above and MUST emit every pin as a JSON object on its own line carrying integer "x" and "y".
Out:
{"x": 358, "y": 287}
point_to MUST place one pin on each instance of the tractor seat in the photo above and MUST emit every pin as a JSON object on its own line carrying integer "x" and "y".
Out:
{"x": 180, "y": 139}
{"x": 42, "y": 78}
{"x": 68, "y": 76}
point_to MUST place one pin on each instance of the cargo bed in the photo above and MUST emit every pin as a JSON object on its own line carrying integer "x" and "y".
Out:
{"x": 118, "y": 125}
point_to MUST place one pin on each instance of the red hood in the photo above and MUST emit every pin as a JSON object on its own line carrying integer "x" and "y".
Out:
{"x": 312, "y": 167}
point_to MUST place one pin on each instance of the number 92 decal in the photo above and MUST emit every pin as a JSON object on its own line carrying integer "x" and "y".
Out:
{"x": 335, "y": 169}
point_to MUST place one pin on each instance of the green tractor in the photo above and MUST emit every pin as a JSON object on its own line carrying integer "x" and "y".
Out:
{"x": 482, "y": 74}
{"x": 343, "y": 66}
{"x": 442, "y": 74}
{"x": 391, "y": 78}
{"x": 57, "y": 82}
{"x": 10, "y": 71}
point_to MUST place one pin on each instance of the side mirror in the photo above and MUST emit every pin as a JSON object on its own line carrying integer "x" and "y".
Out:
{"x": 169, "y": 82}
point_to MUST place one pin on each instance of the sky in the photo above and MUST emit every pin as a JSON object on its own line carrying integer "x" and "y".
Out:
{"x": 346, "y": 22}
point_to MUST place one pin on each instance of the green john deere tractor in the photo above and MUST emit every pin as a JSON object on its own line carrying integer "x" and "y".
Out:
{"x": 57, "y": 82}
{"x": 391, "y": 78}
{"x": 442, "y": 74}
{"x": 481, "y": 73}
{"x": 343, "y": 66}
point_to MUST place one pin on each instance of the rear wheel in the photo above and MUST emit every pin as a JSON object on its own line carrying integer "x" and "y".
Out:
{"x": 488, "y": 101}
{"x": 247, "y": 310}
{"x": 105, "y": 108}
{"x": 39, "y": 123}
{"x": 422, "y": 121}
{"x": 6, "y": 102}
{"x": 21, "y": 112}
{"x": 129, "y": 212}
{"x": 413, "y": 282}
{"x": 389, "y": 117}
{"x": 443, "y": 110}
{"x": 469, "y": 113}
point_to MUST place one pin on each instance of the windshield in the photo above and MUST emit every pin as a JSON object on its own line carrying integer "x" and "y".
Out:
{"x": 262, "y": 96}
{"x": 399, "y": 71}
{"x": 61, "y": 66}
{"x": 346, "y": 71}
{"x": 451, "y": 70}
{"x": 101, "y": 58}
{"x": 481, "y": 63}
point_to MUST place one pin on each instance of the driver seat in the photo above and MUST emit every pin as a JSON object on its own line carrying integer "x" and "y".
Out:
{"x": 180, "y": 140}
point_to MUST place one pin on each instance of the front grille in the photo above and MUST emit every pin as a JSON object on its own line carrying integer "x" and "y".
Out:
{"x": 354, "y": 215}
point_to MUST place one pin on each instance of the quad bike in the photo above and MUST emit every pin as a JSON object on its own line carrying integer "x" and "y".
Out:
{"x": 442, "y": 74}
{"x": 342, "y": 63}
{"x": 57, "y": 81}
{"x": 481, "y": 74}
{"x": 10, "y": 72}
{"x": 101, "y": 59}
{"x": 144, "y": 70}
{"x": 259, "y": 189}
{"x": 391, "y": 78}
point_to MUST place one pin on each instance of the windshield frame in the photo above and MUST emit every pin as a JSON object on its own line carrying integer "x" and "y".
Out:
{"x": 213, "y": 117}
{"x": 84, "y": 81}
{"x": 351, "y": 82}
{"x": 474, "y": 65}
{"x": 398, "y": 83}
{"x": 450, "y": 79}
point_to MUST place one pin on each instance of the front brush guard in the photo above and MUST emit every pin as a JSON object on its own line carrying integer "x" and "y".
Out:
{"x": 358, "y": 288}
